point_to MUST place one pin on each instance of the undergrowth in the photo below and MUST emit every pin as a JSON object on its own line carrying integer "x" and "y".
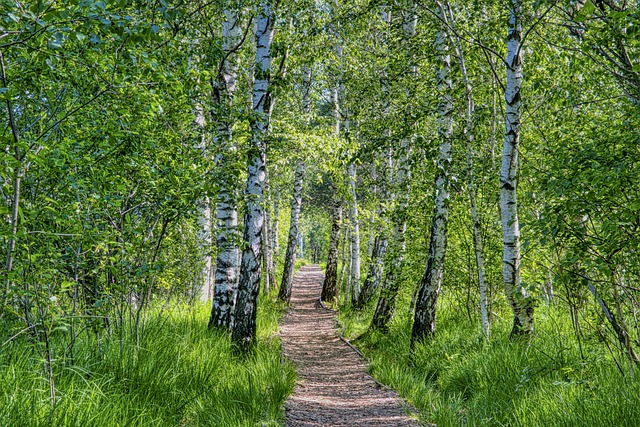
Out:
{"x": 180, "y": 374}
{"x": 459, "y": 378}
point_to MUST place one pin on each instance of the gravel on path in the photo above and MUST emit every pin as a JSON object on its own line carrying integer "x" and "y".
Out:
{"x": 334, "y": 388}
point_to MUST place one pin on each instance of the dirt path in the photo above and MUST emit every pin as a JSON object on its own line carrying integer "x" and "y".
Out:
{"x": 334, "y": 388}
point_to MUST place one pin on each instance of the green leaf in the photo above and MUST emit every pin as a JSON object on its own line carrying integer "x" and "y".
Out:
{"x": 589, "y": 7}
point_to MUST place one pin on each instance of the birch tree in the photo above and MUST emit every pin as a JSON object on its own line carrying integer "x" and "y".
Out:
{"x": 296, "y": 202}
{"x": 17, "y": 182}
{"x": 224, "y": 87}
{"x": 517, "y": 295}
{"x": 330, "y": 289}
{"x": 394, "y": 262}
{"x": 470, "y": 177}
{"x": 284, "y": 293}
{"x": 425, "y": 313}
{"x": 269, "y": 271}
{"x": 385, "y": 308}
{"x": 377, "y": 246}
{"x": 204, "y": 237}
{"x": 244, "y": 327}
{"x": 354, "y": 263}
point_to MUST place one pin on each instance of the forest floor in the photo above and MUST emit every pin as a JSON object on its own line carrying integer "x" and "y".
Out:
{"x": 334, "y": 388}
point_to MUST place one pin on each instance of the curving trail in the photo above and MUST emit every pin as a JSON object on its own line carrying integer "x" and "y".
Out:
{"x": 334, "y": 388}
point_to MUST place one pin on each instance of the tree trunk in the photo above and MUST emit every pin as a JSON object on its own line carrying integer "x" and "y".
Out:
{"x": 343, "y": 257}
{"x": 296, "y": 202}
{"x": 620, "y": 330}
{"x": 385, "y": 309}
{"x": 378, "y": 233}
{"x": 371, "y": 235}
{"x": 226, "y": 275}
{"x": 17, "y": 183}
{"x": 205, "y": 242}
{"x": 266, "y": 262}
{"x": 329, "y": 286}
{"x": 269, "y": 270}
{"x": 204, "y": 238}
{"x": 424, "y": 323}
{"x": 355, "y": 236}
{"x": 470, "y": 178}
{"x": 374, "y": 274}
{"x": 347, "y": 286}
{"x": 244, "y": 328}
{"x": 290, "y": 259}
{"x": 518, "y": 297}
{"x": 274, "y": 232}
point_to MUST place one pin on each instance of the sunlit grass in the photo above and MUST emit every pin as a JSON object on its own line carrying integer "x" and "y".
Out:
{"x": 459, "y": 378}
{"x": 181, "y": 374}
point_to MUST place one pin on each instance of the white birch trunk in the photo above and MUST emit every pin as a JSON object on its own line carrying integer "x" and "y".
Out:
{"x": 296, "y": 202}
{"x": 329, "y": 286}
{"x": 244, "y": 328}
{"x": 347, "y": 289}
{"x": 203, "y": 235}
{"x": 470, "y": 178}
{"x": 301, "y": 244}
{"x": 425, "y": 315}
{"x": 518, "y": 297}
{"x": 275, "y": 244}
{"x": 226, "y": 274}
{"x": 386, "y": 306}
{"x": 343, "y": 266}
{"x": 15, "y": 202}
{"x": 385, "y": 309}
{"x": 355, "y": 236}
{"x": 290, "y": 258}
{"x": 266, "y": 234}
{"x": 205, "y": 243}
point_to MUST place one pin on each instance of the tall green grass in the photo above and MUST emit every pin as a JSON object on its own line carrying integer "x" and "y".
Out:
{"x": 180, "y": 374}
{"x": 458, "y": 378}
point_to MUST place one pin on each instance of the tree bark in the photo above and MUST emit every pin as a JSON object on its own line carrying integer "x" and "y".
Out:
{"x": 355, "y": 236}
{"x": 17, "y": 184}
{"x": 386, "y": 306}
{"x": 204, "y": 237}
{"x": 343, "y": 257}
{"x": 348, "y": 262}
{"x": 266, "y": 233}
{"x": 374, "y": 274}
{"x": 296, "y": 201}
{"x": 385, "y": 309}
{"x": 205, "y": 242}
{"x": 329, "y": 286}
{"x": 244, "y": 328}
{"x": 290, "y": 258}
{"x": 470, "y": 177}
{"x": 226, "y": 275}
{"x": 424, "y": 323}
{"x": 518, "y": 297}
{"x": 274, "y": 232}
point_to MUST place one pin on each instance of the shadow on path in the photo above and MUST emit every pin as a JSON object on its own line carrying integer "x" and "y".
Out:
{"x": 334, "y": 388}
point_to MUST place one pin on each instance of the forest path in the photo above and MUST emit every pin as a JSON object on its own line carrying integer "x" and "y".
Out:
{"x": 334, "y": 388}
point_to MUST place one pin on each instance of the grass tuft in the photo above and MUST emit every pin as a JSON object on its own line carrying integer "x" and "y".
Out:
{"x": 458, "y": 378}
{"x": 181, "y": 374}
